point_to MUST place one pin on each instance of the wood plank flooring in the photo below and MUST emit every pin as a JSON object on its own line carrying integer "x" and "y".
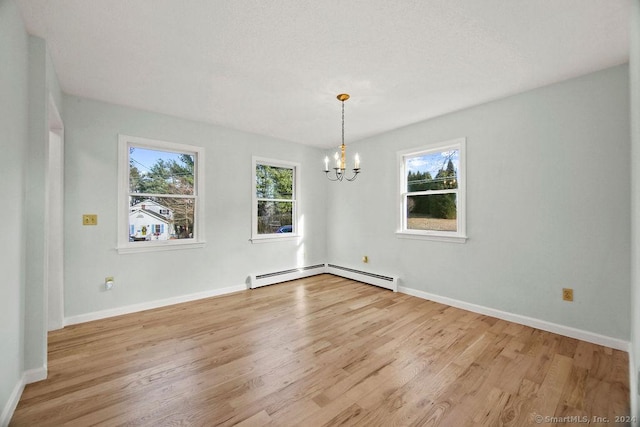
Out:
{"x": 321, "y": 351}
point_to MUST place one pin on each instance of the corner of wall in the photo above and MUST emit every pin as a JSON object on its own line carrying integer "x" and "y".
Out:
{"x": 14, "y": 116}
{"x": 634, "y": 77}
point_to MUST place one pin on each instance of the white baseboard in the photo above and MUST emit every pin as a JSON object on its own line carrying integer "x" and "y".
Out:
{"x": 12, "y": 403}
{"x": 54, "y": 326}
{"x": 97, "y": 315}
{"x": 634, "y": 392}
{"x": 568, "y": 331}
{"x": 35, "y": 375}
{"x": 28, "y": 377}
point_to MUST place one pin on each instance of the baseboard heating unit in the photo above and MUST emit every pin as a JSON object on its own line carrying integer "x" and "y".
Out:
{"x": 257, "y": 280}
{"x": 387, "y": 282}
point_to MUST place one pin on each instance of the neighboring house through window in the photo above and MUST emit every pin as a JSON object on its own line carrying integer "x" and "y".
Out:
{"x": 275, "y": 199}
{"x": 161, "y": 196}
{"x": 432, "y": 192}
{"x": 148, "y": 220}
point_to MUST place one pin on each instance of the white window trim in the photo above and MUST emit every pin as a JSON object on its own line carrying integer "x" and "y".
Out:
{"x": 123, "y": 245}
{"x": 459, "y": 236}
{"x": 275, "y": 237}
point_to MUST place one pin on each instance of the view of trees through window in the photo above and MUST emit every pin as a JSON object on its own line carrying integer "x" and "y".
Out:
{"x": 432, "y": 183}
{"x": 161, "y": 194}
{"x": 275, "y": 198}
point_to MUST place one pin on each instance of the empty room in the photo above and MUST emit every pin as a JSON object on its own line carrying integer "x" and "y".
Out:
{"x": 320, "y": 213}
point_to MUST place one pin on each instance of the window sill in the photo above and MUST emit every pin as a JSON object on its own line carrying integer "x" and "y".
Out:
{"x": 157, "y": 247}
{"x": 431, "y": 236}
{"x": 274, "y": 238}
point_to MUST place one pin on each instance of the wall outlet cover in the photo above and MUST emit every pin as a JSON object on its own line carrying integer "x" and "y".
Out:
{"x": 89, "y": 219}
{"x": 567, "y": 294}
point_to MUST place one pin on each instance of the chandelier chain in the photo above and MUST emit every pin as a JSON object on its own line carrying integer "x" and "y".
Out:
{"x": 343, "y": 122}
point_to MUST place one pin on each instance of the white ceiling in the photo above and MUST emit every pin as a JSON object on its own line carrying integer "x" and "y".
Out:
{"x": 274, "y": 67}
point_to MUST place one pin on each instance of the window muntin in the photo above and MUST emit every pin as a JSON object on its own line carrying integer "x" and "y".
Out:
{"x": 161, "y": 190}
{"x": 274, "y": 199}
{"x": 432, "y": 191}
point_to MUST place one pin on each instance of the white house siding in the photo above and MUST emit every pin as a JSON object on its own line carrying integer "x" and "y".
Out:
{"x": 148, "y": 225}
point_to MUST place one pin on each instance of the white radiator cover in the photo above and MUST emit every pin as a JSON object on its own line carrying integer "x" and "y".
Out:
{"x": 258, "y": 280}
{"x": 387, "y": 282}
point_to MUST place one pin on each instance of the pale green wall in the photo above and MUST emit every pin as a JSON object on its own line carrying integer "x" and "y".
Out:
{"x": 14, "y": 46}
{"x": 28, "y": 81}
{"x": 91, "y": 139}
{"x": 548, "y": 206}
{"x": 43, "y": 87}
{"x": 634, "y": 72}
{"x": 35, "y": 310}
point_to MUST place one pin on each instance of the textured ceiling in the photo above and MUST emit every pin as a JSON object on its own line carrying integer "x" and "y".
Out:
{"x": 275, "y": 67}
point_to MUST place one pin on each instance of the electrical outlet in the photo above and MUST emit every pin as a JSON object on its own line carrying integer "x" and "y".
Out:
{"x": 108, "y": 283}
{"x": 89, "y": 219}
{"x": 567, "y": 294}
{"x": 365, "y": 259}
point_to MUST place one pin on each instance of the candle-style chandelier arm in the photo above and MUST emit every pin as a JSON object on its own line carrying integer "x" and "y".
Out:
{"x": 340, "y": 175}
{"x": 355, "y": 175}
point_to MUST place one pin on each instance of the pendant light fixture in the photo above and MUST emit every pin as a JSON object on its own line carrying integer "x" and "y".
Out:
{"x": 340, "y": 159}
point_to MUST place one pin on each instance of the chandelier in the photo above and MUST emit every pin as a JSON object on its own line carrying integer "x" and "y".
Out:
{"x": 338, "y": 173}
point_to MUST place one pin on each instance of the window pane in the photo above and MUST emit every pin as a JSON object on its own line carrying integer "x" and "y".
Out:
{"x": 275, "y": 217}
{"x": 433, "y": 171}
{"x": 274, "y": 182}
{"x": 160, "y": 172}
{"x": 160, "y": 218}
{"x": 436, "y": 212}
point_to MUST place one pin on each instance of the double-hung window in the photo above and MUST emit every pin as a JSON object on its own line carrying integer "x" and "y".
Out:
{"x": 275, "y": 200}
{"x": 432, "y": 192}
{"x": 160, "y": 197}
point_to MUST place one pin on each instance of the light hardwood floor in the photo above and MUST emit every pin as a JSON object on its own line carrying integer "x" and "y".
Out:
{"x": 320, "y": 351}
